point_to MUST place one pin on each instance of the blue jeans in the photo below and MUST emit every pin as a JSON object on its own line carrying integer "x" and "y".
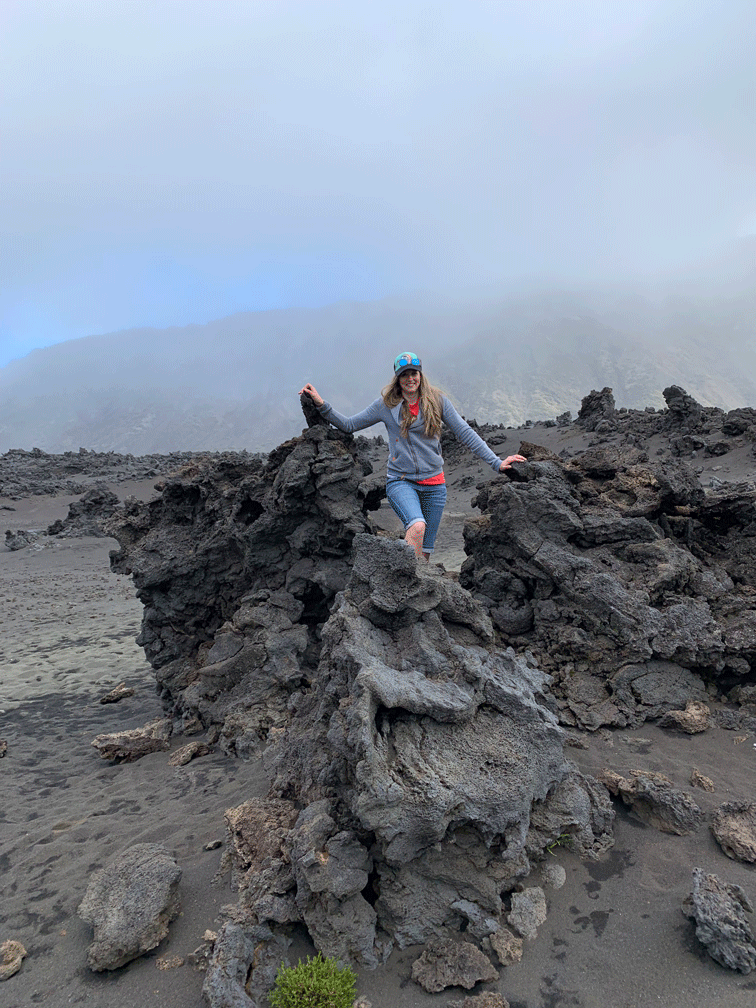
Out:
{"x": 414, "y": 503}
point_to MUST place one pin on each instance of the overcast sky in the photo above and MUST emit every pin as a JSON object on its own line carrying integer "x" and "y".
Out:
{"x": 174, "y": 161}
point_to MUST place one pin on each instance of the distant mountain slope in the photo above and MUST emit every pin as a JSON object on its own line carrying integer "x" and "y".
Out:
{"x": 232, "y": 384}
{"x": 536, "y": 361}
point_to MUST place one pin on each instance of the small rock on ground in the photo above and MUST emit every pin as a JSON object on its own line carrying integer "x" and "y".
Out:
{"x": 449, "y": 963}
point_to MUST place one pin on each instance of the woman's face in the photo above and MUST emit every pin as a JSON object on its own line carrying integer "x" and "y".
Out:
{"x": 409, "y": 382}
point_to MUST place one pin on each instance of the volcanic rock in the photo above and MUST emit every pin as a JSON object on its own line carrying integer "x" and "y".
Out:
{"x": 29, "y": 473}
{"x": 734, "y": 826}
{"x": 242, "y": 966}
{"x": 130, "y": 904}
{"x": 655, "y": 801}
{"x": 21, "y": 538}
{"x": 528, "y": 911}
{"x": 622, "y": 578}
{"x": 488, "y": 999}
{"x": 719, "y": 909}
{"x": 417, "y": 753}
{"x": 683, "y": 410}
{"x": 595, "y": 408}
{"x": 507, "y": 946}
{"x": 236, "y": 564}
{"x": 85, "y": 516}
{"x": 450, "y": 963}
{"x": 695, "y": 718}
{"x": 131, "y": 744}
{"x": 185, "y": 754}
{"x": 431, "y": 747}
{"x": 697, "y": 779}
{"x": 12, "y": 954}
{"x": 120, "y": 692}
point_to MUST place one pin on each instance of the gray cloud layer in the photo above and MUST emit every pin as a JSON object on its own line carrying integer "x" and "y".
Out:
{"x": 176, "y": 161}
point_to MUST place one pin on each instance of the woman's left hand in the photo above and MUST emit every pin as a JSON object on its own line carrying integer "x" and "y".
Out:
{"x": 509, "y": 460}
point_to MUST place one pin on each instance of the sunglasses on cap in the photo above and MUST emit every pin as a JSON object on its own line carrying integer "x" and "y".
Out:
{"x": 405, "y": 361}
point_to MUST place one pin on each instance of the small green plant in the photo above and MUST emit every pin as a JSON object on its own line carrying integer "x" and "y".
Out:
{"x": 316, "y": 983}
{"x": 561, "y": 841}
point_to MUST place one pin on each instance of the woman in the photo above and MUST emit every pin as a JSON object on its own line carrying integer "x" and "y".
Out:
{"x": 413, "y": 411}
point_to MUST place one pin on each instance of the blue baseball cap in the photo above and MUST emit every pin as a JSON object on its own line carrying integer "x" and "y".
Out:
{"x": 407, "y": 361}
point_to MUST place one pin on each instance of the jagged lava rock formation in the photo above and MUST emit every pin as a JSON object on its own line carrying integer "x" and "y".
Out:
{"x": 627, "y": 581}
{"x": 417, "y": 767}
{"x": 411, "y": 724}
{"x": 29, "y": 473}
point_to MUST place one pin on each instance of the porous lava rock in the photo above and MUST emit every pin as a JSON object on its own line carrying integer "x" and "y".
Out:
{"x": 626, "y": 581}
{"x": 417, "y": 768}
{"x": 595, "y": 408}
{"x": 449, "y": 963}
{"x": 130, "y": 904}
{"x": 242, "y": 965}
{"x": 86, "y": 515}
{"x": 695, "y": 718}
{"x": 21, "y": 538}
{"x": 655, "y": 801}
{"x": 683, "y": 412}
{"x": 131, "y": 744}
{"x": 719, "y": 910}
{"x": 31, "y": 473}
{"x": 12, "y": 954}
{"x": 488, "y": 999}
{"x": 528, "y": 911}
{"x": 734, "y": 827}
{"x": 420, "y": 754}
{"x": 507, "y": 946}
{"x": 237, "y": 562}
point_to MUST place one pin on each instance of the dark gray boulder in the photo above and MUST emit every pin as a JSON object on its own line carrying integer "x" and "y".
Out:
{"x": 596, "y": 408}
{"x": 242, "y": 965}
{"x": 719, "y": 910}
{"x": 86, "y": 515}
{"x": 22, "y": 538}
{"x": 130, "y": 904}
{"x": 683, "y": 412}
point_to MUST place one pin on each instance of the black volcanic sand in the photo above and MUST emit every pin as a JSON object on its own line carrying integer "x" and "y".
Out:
{"x": 614, "y": 938}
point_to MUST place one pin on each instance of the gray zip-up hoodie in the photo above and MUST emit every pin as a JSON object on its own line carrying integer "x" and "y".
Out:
{"x": 416, "y": 457}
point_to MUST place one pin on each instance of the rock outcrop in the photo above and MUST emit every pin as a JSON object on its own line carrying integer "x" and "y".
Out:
{"x": 425, "y": 751}
{"x": 86, "y": 515}
{"x": 417, "y": 768}
{"x": 29, "y": 473}
{"x": 623, "y": 578}
{"x": 412, "y": 723}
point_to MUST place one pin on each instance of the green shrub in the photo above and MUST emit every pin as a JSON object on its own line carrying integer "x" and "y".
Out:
{"x": 316, "y": 983}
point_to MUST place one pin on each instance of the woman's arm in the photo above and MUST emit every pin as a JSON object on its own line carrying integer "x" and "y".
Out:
{"x": 359, "y": 421}
{"x": 467, "y": 436}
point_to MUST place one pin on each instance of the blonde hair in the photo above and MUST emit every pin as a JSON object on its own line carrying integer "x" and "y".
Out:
{"x": 430, "y": 405}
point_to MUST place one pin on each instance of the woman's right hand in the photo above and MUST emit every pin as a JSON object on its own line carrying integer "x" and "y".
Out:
{"x": 313, "y": 393}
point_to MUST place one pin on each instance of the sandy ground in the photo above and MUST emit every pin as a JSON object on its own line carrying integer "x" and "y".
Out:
{"x": 615, "y": 936}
